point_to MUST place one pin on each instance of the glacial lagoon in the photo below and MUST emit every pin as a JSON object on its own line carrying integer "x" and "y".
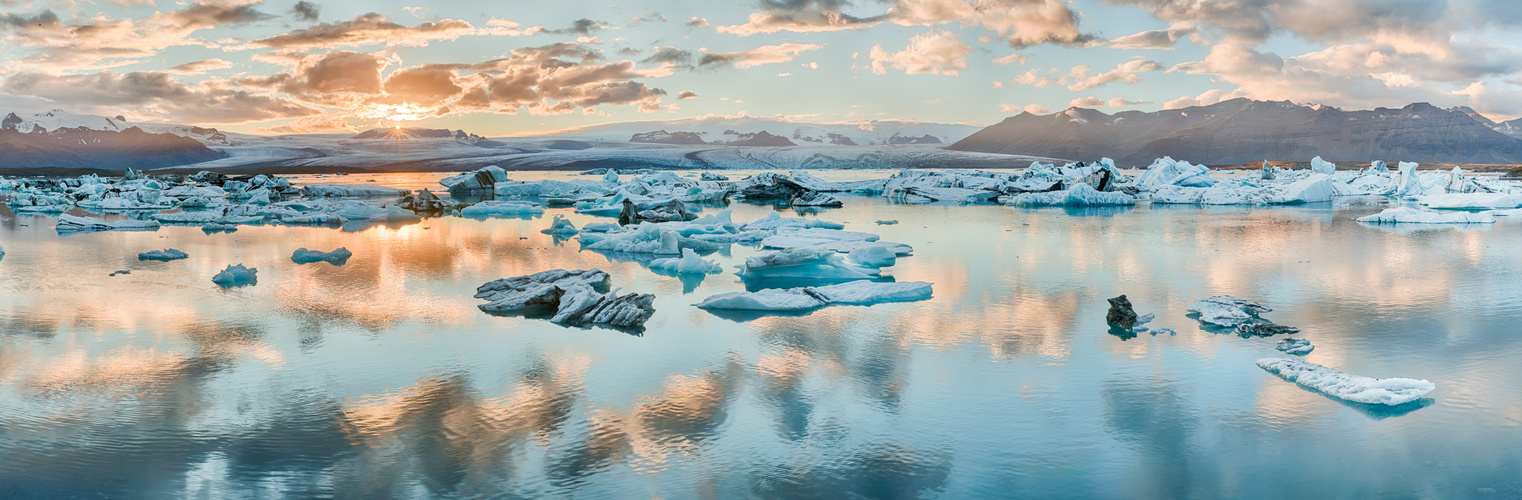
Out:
{"x": 381, "y": 377}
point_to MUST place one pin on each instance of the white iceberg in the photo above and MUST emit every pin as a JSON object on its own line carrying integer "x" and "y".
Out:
{"x": 1358, "y": 389}
{"x": 801, "y": 299}
{"x": 688, "y": 263}
{"x": 876, "y": 256}
{"x": 167, "y": 254}
{"x": 1321, "y": 166}
{"x": 352, "y": 190}
{"x": 70, "y": 223}
{"x": 337, "y": 257}
{"x": 561, "y": 227}
{"x": 1166, "y": 171}
{"x": 236, "y": 275}
{"x": 358, "y": 211}
{"x": 1080, "y": 195}
{"x": 803, "y": 264}
{"x": 1298, "y": 347}
{"x": 1472, "y": 201}
{"x": 501, "y": 208}
{"x": 1227, "y": 311}
{"x": 1408, "y": 215}
{"x": 481, "y": 179}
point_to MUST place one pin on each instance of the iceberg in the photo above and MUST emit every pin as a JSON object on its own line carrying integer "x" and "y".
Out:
{"x": 337, "y": 257}
{"x": 480, "y": 179}
{"x": 1227, "y": 311}
{"x": 803, "y": 264}
{"x": 1298, "y": 347}
{"x": 318, "y": 219}
{"x": 802, "y": 299}
{"x": 561, "y": 227}
{"x": 501, "y": 208}
{"x": 352, "y": 190}
{"x": 167, "y": 254}
{"x": 688, "y": 263}
{"x": 573, "y": 295}
{"x": 358, "y": 211}
{"x": 815, "y": 199}
{"x": 1358, "y": 389}
{"x": 69, "y": 223}
{"x": 1472, "y": 201}
{"x": 1321, "y": 166}
{"x": 875, "y": 256}
{"x": 799, "y": 238}
{"x": 1080, "y": 195}
{"x": 212, "y": 227}
{"x": 774, "y": 221}
{"x": 1317, "y": 188}
{"x": 236, "y": 275}
{"x": 1408, "y": 215}
{"x": 1166, "y": 171}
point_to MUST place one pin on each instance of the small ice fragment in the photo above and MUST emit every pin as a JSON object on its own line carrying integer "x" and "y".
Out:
{"x": 886, "y": 222}
{"x": 337, "y": 257}
{"x": 1299, "y": 347}
{"x": 1358, "y": 389}
{"x": 561, "y": 227}
{"x": 1227, "y": 311}
{"x": 123, "y": 271}
{"x": 236, "y": 275}
{"x": 218, "y": 228}
{"x": 688, "y": 263}
{"x": 167, "y": 254}
{"x": 1169, "y": 331}
{"x": 1264, "y": 329}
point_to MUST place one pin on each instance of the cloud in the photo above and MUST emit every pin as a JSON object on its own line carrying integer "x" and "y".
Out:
{"x": 801, "y": 16}
{"x": 687, "y": 94}
{"x": 306, "y": 11}
{"x": 1021, "y": 23}
{"x": 1009, "y": 60}
{"x": 1116, "y": 102}
{"x": 937, "y": 52}
{"x": 102, "y": 42}
{"x": 767, "y": 54}
{"x": 1086, "y": 102}
{"x": 649, "y": 17}
{"x": 1206, "y": 98}
{"x": 583, "y": 27}
{"x": 1148, "y": 40}
{"x": 373, "y": 29}
{"x": 697, "y": 22}
{"x": 154, "y": 95}
{"x": 670, "y": 55}
{"x": 310, "y": 125}
{"x": 1127, "y": 72}
{"x": 1034, "y": 109}
{"x": 198, "y": 67}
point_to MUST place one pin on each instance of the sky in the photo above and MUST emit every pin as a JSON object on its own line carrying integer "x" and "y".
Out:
{"x": 515, "y": 67}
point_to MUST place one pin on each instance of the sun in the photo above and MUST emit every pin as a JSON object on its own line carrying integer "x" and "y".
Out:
{"x": 394, "y": 114}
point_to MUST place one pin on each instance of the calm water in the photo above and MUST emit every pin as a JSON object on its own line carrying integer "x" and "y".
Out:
{"x": 380, "y": 378}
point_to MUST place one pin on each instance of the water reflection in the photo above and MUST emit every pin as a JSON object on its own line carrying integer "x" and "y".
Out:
{"x": 381, "y": 378}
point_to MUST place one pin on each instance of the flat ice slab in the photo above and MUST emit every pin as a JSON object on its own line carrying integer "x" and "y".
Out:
{"x": 167, "y": 254}
{"x": 1358, "y": 389}
{"x": 1227, "y": 311}
{"x": 69, "y": 223}
{"x": 1408, "y": 215}
{"x": 861, "y": 293}
{"x": 337, "y": 257}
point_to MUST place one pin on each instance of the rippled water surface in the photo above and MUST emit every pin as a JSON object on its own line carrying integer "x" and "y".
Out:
{"x": 381, "y": 378}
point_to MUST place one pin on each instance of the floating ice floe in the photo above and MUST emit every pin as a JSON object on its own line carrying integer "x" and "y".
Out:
{"x": 1298, "y": 347}
{"x": 481, "y": 179}
{"x": 236, "y": 275}
{"x": 213, "y": 227}
{"x": 358, "y": 211}
{"x": 875, "y": 256}
{"x": 337, "y": 257}
{"x": 167, "y": 254}
{"x": 1080, "y": 195}
{"x": 815, "y": 199}
{"x": 561, "y": 227}
{"x": 1472, "y": 201}
{"x": 688, "y": 263}
{"x": 1227, "y": 311}
{"x": 801, "y": 299}
{"x": 1408, "y": 215}
{"x": 886, "y": 222}
{"x": 1358, "y": 389}
{"x": 803, "y": 264}
{"x": 353, "y": 191}
{"x": 574, "y": 297}
{"x": 69, "y": 223}
{"x": 501, "y": 208}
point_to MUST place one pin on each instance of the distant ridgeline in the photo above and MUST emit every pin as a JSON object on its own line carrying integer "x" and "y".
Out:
{"x": 112, "y": 144}
{"x": 1241, "y": 131}
{"x": 418, "y": 133}
{"x": 764, "y": 138}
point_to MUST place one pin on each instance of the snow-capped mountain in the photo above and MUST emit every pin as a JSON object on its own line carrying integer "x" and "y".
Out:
{"x": 55, "y": 120}
{"x": 743, "y": 130}
{"x": 401, "y": 133}
{"x": 1241, "y": 131}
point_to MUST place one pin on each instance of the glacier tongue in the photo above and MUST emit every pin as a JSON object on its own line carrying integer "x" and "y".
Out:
{"x": 1358, "y": 389}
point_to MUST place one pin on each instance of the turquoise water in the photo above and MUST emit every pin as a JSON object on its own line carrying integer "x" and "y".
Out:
{"x": 380, "y": 378}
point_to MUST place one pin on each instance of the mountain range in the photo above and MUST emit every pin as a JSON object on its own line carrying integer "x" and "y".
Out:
{"x": 1240, "y": 131}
